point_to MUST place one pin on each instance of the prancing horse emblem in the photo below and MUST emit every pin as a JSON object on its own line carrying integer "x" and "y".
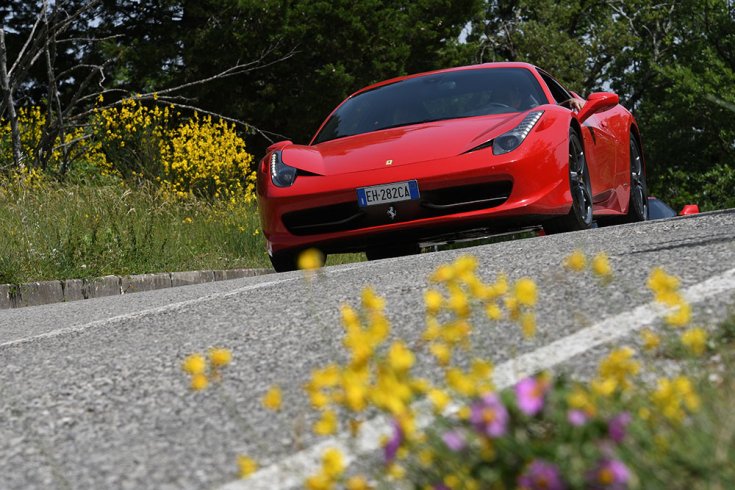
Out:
{"x": 392, "y": 213}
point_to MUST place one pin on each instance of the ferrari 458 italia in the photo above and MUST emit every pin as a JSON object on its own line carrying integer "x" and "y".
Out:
{"x": 420, "y": 158}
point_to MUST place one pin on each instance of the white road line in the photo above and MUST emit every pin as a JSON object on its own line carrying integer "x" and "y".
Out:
{"x": 164, "y": 308}
{"x": 291, "y": 471}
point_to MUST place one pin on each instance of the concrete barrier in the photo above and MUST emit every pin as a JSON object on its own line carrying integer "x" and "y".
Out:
{"x": 40, "y": 293}
{"x": 73, "y": 289}
{"x": 145, "y": 282}
{"x": 102, "y": 286}
{"x": 7, "y": 296}
{"x": 226, "y": 275}
{"x": 191, "y": 277}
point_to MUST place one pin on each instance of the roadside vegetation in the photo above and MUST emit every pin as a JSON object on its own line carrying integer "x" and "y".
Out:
{"x": 146, "y": 190}
{"x": 656, "y": 413}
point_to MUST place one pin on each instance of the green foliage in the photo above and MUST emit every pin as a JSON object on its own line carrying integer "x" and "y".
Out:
{"x": 56, "y": 231}
{"x": 672, "y": 62}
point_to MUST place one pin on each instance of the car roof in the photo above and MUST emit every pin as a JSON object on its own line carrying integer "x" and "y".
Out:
{"x": 503, "y": 64}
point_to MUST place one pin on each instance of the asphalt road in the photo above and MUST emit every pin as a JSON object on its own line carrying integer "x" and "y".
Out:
{"x": 92, "y": 395}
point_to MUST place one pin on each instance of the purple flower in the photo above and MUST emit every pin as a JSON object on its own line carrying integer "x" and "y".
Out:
{"x": 440, "y": 486}
{"x": 391, "y": 447}
{"x": 530, "y": 393}
{"x": 616, "y": 427}
{"x": 454, "y": 440}
{"x": 576, "y": 417}
{"x": 489, "y": 416}
{"x": 610, "y": 474}
{"x": 541, "y": 475}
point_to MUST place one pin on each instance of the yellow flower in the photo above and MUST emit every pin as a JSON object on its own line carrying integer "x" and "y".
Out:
{"x": 660, "y": 281}
{"x": 350, "y": 320}
{"x": 452, "y": 481}
{"x": 481, "y": 370}
{"x": 327, "y": 425}
{"x": 650, "y": 340}
{"x": 439, "y": 399}
{"x": 433, "y": 330}
{"x": 326, "y": 377}
{"x": 396, "y": 471}
{"x": 576, "y": 261}
{"x": 246, "y": 466}
{"x": 433, "y": 300}
{"x": 199, "y": 382}
{"x": 525, "y": 292}
{"x": 456, "y": 332}
{"x": 194, "y": 364}
{"x": 319, "y": 482}
{"x": 318, "y": 399}
{"x": 444, "y": 273}
{"x": 580, "y": 399}
{"x": 400, "y": 358}
{"x": 357, "y": 482}
{"x": 272, "y": 399}
{"x": 458, "y": 303}
{"x": 501, "y": 285}
{"x": 310, "y": 259}
{"x": 371, "y": 301}
{"x": 441, "y": 352}
{"x": 460, "y": 382}
{"x": 464, "y": 413}
{"x": 695, "y": 339}
{"x": 680, "y": 317}
{"x": 333, "y": 464}
{"x": 220, "y": 357}
{"x": 616, "y": 369}
{"x": 601, "y": 266}
{"x": 528, "y": 325}
{"x": 426, "y": 457}
{"x": 493, "y": 312}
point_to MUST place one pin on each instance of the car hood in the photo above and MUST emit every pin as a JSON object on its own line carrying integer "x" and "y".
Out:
{"x": 403, "y": 145}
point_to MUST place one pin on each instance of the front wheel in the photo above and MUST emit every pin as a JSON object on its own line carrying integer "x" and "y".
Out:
{"x": 580, "y": 216}
{"x": 289, "y": 260}
{"x": 284, "y": 261}
{"x": 638, "y": 203}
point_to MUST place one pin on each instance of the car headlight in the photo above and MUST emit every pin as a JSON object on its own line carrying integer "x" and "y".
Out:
{"x": 282, "y": 175}
{"x": 511, "y": 140}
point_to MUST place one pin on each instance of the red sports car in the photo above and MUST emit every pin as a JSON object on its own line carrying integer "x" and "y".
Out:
{"x": 492, "y": 147}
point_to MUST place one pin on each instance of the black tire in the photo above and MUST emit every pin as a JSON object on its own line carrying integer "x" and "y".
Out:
{"x": 284, "y": 261}
{"x": 638, "y": 204}
{"x": 391, "y": 251}
{"x": 580, "y": 216}
{"x": 289, "y": 261}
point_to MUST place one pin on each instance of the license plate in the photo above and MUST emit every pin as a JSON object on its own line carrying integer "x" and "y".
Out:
{"x": 380, "y": 194}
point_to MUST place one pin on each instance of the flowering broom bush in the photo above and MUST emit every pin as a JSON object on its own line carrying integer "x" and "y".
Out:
{"x": 199, "y": 157}
{"x": 544, "y": 433}
{"x": 195, "y": 157}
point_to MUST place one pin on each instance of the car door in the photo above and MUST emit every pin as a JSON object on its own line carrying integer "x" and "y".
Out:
{"x": 599, "y": 144}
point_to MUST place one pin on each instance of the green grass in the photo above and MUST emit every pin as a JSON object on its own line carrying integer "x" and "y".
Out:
{"x": 700, "y": 452}
{"x": 88, "y": 229}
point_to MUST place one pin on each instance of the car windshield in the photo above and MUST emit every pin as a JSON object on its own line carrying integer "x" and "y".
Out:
{"x": 450, "y": 95}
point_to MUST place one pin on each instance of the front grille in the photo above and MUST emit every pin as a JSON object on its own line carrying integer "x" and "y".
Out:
{"x": 467, "y": 197}
{"x": 438, "y": 202}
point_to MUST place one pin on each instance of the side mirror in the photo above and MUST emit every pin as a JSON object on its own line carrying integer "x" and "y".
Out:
{"x": 278, "y": 145}
{"x": 597, "y": 102}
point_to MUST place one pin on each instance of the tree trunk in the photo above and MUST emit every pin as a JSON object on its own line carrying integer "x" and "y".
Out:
{"x": 9, "y": 103}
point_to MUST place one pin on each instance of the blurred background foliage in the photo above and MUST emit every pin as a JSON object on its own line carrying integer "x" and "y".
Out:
{"x": 672, "y": 62}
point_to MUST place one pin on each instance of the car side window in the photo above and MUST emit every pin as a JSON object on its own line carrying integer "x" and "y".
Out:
{"x": 559, "y": 93}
